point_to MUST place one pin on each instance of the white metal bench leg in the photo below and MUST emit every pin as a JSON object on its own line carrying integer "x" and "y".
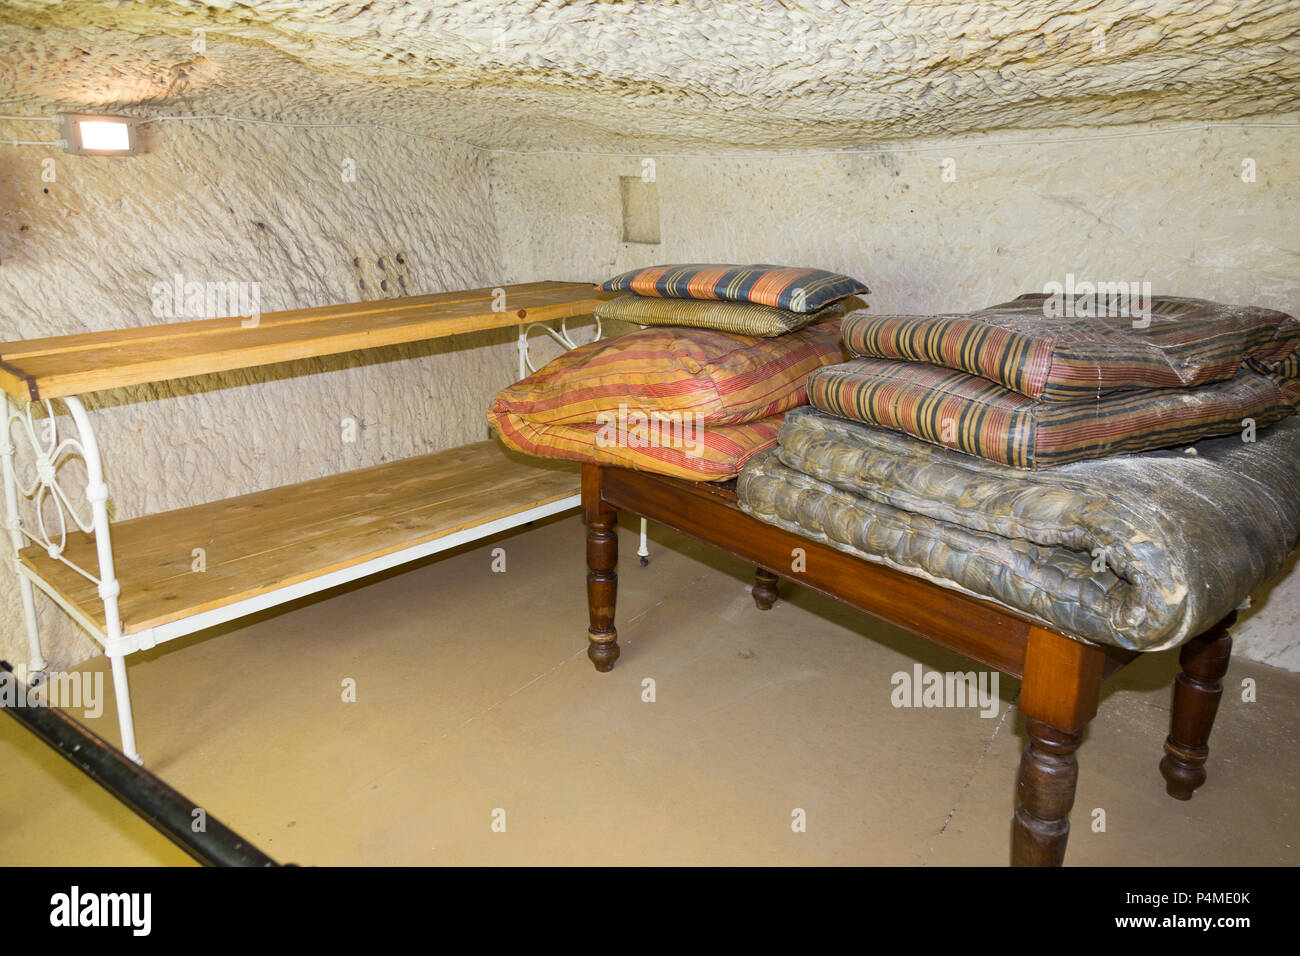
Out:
{"x": 122, "y": 692}
{"x": 109, "y": 587}
{"x": 643, "y": 552}
{"x": 35, "y": 659}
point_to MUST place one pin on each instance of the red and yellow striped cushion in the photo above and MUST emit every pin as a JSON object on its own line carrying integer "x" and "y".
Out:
{"x": 710, "y": 453}
{"x": 716, "y": 378}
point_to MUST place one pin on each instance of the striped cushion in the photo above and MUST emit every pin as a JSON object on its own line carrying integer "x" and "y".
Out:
{"x": 741, "y": 318}
{"x": 799, "y": 290}
{"x": 980, "y": 417}
{"x": 712, "y": 453}
{"x": 1189, "y": 342}
{"x": 714, "y": 377}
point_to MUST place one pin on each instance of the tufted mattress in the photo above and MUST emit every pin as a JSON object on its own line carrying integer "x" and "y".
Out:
{"x": 1140, "y": 551}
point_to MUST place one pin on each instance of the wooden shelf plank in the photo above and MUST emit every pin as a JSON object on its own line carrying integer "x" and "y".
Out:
{"x": 257, "y": 543}
{"x": 74, "y": 364}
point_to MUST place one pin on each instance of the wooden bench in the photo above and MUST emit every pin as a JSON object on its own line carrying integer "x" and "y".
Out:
{"x": 132, "y": 586}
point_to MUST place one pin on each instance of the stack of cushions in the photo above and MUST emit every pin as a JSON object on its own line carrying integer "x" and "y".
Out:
{"x": 1018, "y": 387}
{"x": 698, "y": 393}
{"x": 1058, "y": 493}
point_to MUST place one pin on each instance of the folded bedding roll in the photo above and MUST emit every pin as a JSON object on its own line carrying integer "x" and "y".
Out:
{"x": 1142, "y": 551}
{"x": 980, "y": 417}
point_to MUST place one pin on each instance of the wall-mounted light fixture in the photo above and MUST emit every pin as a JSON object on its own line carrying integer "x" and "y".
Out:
{"x": 88, "y": 134}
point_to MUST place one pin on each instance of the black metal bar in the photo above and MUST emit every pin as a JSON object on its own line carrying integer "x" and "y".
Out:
{"x": 167, "y": 810}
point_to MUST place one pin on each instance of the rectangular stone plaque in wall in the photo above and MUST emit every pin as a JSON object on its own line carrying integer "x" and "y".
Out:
{"x": 640, "y": 209}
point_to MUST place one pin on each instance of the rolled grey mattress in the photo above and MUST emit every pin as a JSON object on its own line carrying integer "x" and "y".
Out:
{"x": 1139, "y": 551}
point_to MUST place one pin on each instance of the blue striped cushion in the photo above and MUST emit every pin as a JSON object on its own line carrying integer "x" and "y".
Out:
{"x": 781, "y": 287}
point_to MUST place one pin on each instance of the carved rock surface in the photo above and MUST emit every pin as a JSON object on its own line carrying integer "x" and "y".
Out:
{"x": 762, "y": 73}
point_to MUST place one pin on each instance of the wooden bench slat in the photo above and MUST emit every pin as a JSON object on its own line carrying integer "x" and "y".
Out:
{"x": 80, "y": 341}
{"x": 257, "y": 543}
{"x": 70, "y": 365}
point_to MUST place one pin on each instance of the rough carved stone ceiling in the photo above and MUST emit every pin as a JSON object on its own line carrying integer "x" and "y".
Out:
{"x": 689, "y": 74}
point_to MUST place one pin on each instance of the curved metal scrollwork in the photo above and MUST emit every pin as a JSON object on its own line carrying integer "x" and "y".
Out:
{"x": 560, "y": 335}
{"x": 53, "y": 450}
{"x": 50, "y": 452}
{"x": 45, "y": 491}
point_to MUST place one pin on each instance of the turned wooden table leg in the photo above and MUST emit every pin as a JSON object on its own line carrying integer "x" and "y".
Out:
{"x": 1197, "y": 691}
{"x": 1045, "y": 795}
{"x": 765, "y": 590}
{"x": 1058, "y": 695}
{"x": 602, "y": 578}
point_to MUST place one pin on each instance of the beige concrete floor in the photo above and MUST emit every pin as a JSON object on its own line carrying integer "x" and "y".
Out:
{"x": 474, "y": 693}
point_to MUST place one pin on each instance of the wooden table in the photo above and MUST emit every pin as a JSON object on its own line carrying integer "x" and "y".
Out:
{"x": 132, "y": 586}
{"x": 1060, "y": 676}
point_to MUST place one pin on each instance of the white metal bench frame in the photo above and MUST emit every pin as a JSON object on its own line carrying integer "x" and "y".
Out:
{"x": 51, "y": 451}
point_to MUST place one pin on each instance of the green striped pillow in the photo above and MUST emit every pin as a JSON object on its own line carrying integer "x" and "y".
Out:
{"x": 738, "y": 318}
